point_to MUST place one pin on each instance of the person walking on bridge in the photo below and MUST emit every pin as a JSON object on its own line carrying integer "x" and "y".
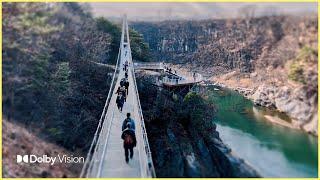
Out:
{"x": 129, "y": 140}
{"x": 118, "y": 91}
{"x": 125, "y": 66}
{"x": 120, "y": 102}
{"x": 194, "y": 76}
{"x": 123, "y": 95}
{"x": 126, "y": 85}
{"x": 121, "y": 91}
{"x": 123, "y": 80}
{"x": 128, "y": 119}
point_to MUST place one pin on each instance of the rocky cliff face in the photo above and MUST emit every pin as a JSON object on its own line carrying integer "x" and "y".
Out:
{"x": 231, "y": 44}
{"x": 183, "y": 139}
{"x": 272, "y": 60}
{"x": 226, "y": 43}
{"x": 295, "y": 102}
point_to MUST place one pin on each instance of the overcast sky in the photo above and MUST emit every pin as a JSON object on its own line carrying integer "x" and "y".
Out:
{"x": 164, "y": 11}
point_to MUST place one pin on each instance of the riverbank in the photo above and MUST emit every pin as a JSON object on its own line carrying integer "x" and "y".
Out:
{"x": 296, "y": 100}
{"x": 292, "y": 99}
{"x": 244, "y": 128}
{"x": 184, "y": 140}
{"x": 280, "y": 122}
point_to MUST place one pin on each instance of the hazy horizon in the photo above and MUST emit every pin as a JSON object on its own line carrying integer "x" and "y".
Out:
{"x": 197, "y": 11}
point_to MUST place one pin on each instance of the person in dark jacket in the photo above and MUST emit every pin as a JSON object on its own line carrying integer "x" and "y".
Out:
{"x": 128, "y": 119}
{"x": 123, "y": 94}
{"x": 122, "y": 91}
{"x": 129, "y": 140}
{"x": 123, "y": 80}
{"x": 126, "y": 84}
{"x": 120, "y": 102}
{"x": 118, "y": 91}
{"x": 125, "y": 66}
{"x": 126, "y": 75}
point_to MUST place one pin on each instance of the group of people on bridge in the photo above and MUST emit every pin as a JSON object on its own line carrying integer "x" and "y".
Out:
{"x": 128, "y": 125}
{"x": 123, "y": 89}
{"x": 169, "y": 69}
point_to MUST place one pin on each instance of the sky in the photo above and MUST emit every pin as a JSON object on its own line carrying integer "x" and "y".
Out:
{"x": 195, "y": 11}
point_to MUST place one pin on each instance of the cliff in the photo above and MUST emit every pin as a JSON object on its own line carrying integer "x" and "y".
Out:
{"x": 231, "y": 43}
{"x": 183, "y": 139}
{"x": 271, "y": 60}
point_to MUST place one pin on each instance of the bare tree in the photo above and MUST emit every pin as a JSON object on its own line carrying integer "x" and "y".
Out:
{"x": 271, "y": 11}
{"x": 247, "y": 13}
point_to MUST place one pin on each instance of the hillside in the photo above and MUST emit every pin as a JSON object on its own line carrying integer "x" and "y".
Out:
{"x": 17, "y": 140}
{"x": 271, "y": 60}
{"x": 54, "y": 82}
{"x": 231, "y": 43}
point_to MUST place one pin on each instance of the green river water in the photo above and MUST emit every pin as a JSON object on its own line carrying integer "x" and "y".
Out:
{"x": 273, "y": 150}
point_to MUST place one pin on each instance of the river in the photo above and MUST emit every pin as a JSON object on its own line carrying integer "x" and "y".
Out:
{"x": 273, "y": 150}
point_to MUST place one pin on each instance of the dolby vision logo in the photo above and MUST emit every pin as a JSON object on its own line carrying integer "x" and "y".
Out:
{"x": 24, "y": 158}
{"x": 48, "y": 159}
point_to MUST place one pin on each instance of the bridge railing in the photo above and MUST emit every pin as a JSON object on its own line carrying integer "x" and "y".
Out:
{"x": 148, "y": 65}
{"x": 146, "y": 165}
{"x": 92, "y": 155}
{"x": 187, "y": 78}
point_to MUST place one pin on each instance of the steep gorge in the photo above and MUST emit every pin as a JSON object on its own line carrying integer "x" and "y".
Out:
{"x": 271, "y": 60}
{"x": 182, "y": 137}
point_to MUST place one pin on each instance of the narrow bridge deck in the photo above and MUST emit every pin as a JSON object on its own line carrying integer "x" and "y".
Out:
{"x": 114, "y": 164}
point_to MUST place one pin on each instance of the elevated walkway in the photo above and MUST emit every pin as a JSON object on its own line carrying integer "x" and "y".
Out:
{"x": 106, "y": 155}
{"x": 176, "y": 77}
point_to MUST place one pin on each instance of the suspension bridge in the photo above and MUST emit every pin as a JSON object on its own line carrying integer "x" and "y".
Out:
{"x": 106, "y": 157}
{"x": 106, "y": 154}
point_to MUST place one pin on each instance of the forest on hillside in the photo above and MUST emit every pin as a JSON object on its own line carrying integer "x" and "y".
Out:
{"x": 54, "y": 80}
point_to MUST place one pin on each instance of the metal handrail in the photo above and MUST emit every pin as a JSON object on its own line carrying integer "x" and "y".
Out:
{"x": 93, "y": 145}
{"x": 149, "y": 65}
{"x": 181, "y": 77}
{"x": 182, "y": 80}
{"x": 144, "y": 134}
{"x": 150, "y": 168}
